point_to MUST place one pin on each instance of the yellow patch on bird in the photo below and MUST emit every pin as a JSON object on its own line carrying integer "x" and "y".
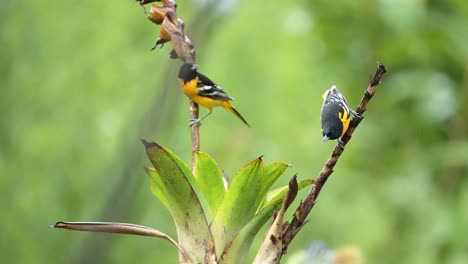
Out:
{"x": 344, "y": 117}
{"x": 190, "y": 89}
{"x": 205, "y": 101}
{"x": 226, "y": 105}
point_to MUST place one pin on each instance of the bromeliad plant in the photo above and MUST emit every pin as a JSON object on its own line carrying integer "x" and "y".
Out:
{"x": 217, "y": 223}
{"x": 214, "y": 224}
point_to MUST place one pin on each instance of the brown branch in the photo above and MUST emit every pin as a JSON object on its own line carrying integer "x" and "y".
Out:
{"x": 271, "y": 248}
{"x": 299, "y": 218}
{"x": 195, "y": 132}
{"x": 172, "y": 29}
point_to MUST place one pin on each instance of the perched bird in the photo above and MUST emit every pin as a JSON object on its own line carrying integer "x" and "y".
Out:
{"x": 335, "y": 115}
{"x": 204, "y": 92}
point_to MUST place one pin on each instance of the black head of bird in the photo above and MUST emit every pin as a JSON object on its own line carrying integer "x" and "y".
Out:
{"x": 188, "y": 71}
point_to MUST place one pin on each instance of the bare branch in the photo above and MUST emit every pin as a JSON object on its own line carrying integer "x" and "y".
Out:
{"x": 172, "y": 29}
{"x": 272, "y": 245}
{"x": 195, "y": 132}
{"x": 299, "y": 218}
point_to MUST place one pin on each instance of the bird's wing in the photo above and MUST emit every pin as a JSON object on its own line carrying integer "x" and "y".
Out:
{"x": 336, "y": 96}
{"x": 209, "y": 89}
{"x": 333, "y": 95}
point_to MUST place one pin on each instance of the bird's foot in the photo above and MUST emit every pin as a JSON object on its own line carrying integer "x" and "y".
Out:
{"x": 195, "y": 122}
{"x": 341, "y": 143}
{"x": 355, "y": 114}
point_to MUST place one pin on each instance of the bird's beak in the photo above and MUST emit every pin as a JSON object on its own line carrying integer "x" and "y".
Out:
{"x": 195, "y": 66}
{"x": 325, "y": 138}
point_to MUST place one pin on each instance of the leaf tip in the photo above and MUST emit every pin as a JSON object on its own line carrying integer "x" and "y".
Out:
{"x": 149, "y": 145}
{"x": 293, "y": 181}
{"x": 146, "y": 143}
{"x": 57, "y": 225}
{"x": 292, "y": 193}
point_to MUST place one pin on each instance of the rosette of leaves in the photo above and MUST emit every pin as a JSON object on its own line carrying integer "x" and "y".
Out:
{"x": 215, "y": 225}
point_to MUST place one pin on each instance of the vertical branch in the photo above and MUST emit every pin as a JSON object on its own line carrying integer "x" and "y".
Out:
{"x": 172, "y": 29}
{"x": 195, "y": 132}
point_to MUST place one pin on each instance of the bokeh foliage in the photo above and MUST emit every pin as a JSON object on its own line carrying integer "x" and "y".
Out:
{"x": 79, "y": 88}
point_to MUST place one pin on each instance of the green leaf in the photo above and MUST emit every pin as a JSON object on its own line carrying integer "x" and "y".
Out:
{"x": 157, "y": 187}
{"x": 237, "y": 251}
{"x": 271, "y": 173}
{"x": 238, "y": 206}
{"x": 275, "y": 196}
{"x": 188, "y": 206}
{"x": 209, "y": 179}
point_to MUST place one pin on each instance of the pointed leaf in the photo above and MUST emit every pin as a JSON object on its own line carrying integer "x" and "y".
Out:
{"x": 188, "y": 206}
{"x": 120, "y": 228}
{"x": 209, "y": 179}
{"x": 157, "y": 187}
{"x": 237, "y": 251}
{"x": 275, "y": 196}
{"x": 237, "y": 208}
{"x": 271, "y": 173}
{"x": 166, "y": 161}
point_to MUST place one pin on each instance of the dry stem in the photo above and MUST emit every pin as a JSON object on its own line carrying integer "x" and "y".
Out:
{"x": 306, "y": 206}
{"x": 172, "y": 29}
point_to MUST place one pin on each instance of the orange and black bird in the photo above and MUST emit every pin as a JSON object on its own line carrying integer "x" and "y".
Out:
{"x": 335, "y": 115}
{"x": 205, "y": 92}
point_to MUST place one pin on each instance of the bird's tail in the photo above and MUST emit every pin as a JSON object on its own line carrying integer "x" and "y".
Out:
{"x": 231, "y": 109}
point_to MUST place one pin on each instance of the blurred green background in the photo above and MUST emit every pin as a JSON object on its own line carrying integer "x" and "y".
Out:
{"x": 79, "y": 88}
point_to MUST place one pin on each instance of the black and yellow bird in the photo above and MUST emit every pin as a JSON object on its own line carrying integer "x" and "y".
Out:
{"x": 204, "y": 92}
{"x": 335, "y": 115}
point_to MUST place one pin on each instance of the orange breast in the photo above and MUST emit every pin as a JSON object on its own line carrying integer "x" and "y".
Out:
{"x": 189, "y": 88}
{"x": 191, "y": 91}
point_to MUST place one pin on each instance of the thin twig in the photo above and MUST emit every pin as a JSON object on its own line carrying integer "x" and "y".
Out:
{"x": 172, "y": 29}
{"x": 306, "y": 206}
{"x": 195, "y": 132}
